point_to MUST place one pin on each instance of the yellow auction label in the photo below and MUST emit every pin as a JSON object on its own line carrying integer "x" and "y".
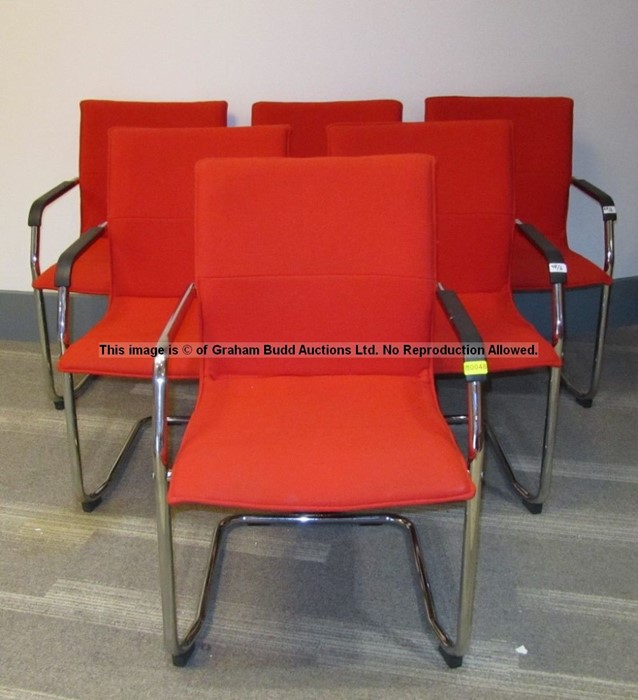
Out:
{"x": 472, "y": 367}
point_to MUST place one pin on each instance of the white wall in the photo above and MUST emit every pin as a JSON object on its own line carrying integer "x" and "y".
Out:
{"x": 53, "y": 53}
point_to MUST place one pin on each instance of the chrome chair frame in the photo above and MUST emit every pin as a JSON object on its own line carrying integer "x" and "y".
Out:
{"x": 533, "y": 499}
{"x": 36, "y": 212}
{"x": 181, "y": 648}
{"x": 88, "y": 500}
{"x": 586, "y": 397}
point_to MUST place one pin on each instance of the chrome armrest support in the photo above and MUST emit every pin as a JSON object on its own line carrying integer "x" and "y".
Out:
{"x": 608, "y": 209}
{"x": 557, "y": 276}
{"x": 35, "y": 220}
{"x": 474, "y": 365}
{"x": 63, "y": 280}
{"x": 160, "y": 382}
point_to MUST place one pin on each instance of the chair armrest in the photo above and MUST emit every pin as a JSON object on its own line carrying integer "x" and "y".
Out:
{"x": 160, "y": 381}
{"x": 475, "y": 370}
{"x": 606, "y": 202}
{"x": 40, "y": 204}
{"x": 557, "y": 278}
{"x": 474, "y": 362}
{"x": 555, "y": 260}
{"x": 65, "y": 263}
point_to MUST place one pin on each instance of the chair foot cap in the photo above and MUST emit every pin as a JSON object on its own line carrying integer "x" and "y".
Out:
{"x": 450, "y": 659}
{"x": 533, "y": 508}
{"x": 182, "y": 659}
{"x": 90, "y": 506}
{"x": 59, "y": 404}
{"x": 585, "y": 403}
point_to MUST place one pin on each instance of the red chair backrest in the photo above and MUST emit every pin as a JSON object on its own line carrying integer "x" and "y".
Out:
{"x": 543, "y": 135}
{"x": 280, "y": 258}
{"x": 98, "y": 116}
{"x": 474, "y": 191}
{"x": 151, "y": 190}
{"x": 308, "y": 120}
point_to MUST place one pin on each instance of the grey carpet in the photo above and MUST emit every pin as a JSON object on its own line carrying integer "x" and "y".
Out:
{"x": 324, "y": 612}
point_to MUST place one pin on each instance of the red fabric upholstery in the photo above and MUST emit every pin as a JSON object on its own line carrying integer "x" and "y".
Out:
{"x": 543, "y": 169}
{"x": 98, "y": 116}
{"x": 322, "y": 443}
{"x": 499, "y": 322}
{"x": 309, "y": 119}
{"x": 475, "y": 222}
{"x": 291, "y": 270}
{"x": 137, "y": 321}
{"x": 329, "y": 435}
{"x": 91, "y": 274}
{"x": 151, "y": 192}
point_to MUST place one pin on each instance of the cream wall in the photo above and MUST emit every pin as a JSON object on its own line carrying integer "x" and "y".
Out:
{"x": 53, "y": 53}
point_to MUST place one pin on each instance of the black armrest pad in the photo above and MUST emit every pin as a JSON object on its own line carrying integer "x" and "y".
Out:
{"x": 65, "y": 262}
{"x": 555, "y": 260}
{"x": 606, "y": 202}
{"x": 474, "y": 363}
{"x": 38, "y": 207}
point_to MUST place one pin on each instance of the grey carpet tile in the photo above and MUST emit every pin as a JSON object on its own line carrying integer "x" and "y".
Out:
{"x": 328, "y": 612}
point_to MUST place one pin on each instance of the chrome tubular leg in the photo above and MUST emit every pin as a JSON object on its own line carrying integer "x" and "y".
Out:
{"x": 453, "y": 652}
{"x": 45, "y": 349}
{"x": 89, "y": 500}
{"x": 41, "y": 320}
{"x": 534, "y": 501}
{"x": 181, "y": 649}
{"x": 586, "y": 398}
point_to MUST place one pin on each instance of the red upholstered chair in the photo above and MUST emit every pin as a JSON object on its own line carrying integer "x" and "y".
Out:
{"x": 92, "y": 273}
{"x": 328, "y": 437}
{"x": 150, "y": 231}
{"x": 543, "y": 135}
{"x": 308, "y": 120}
{"x": 475, "y": 210}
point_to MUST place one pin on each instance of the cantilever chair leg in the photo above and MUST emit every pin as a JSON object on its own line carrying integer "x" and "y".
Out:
{"x": 451, "y": 650}
{"x": 89, "y": 500}
{"x": 45, "y": 348}
{"x": 586, "y": 398}
{"x": 533, "y": 500}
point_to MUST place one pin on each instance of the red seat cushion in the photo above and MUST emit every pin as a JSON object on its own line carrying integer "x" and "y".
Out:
{"x": 137, "y": 321}
{"x": 323, "y": 443}
{"x": 308, "y": 120}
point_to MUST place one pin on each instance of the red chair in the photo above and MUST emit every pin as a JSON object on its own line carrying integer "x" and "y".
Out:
{"x": 92, "y": 272}
{"x": 150, "y": 226}
{"x": 308, "y": 120}
{"x": 475, "y": 220}
{"x": 543, "y": 135}
{"x": 323, "y": 438}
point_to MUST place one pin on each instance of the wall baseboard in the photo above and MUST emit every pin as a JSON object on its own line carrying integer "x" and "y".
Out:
{"x": 17, "y": 311}
{"x": 18, "y": 318}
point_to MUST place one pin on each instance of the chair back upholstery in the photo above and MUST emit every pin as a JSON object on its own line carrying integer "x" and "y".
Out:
{"x": 542, "y": 151}
{"x": 474, "y": 191}
{"x": 315, "y": 251}
{"x": 98, "y": 116}
{"x": 151, "y": 190}
{"x": 308, "y": 120}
